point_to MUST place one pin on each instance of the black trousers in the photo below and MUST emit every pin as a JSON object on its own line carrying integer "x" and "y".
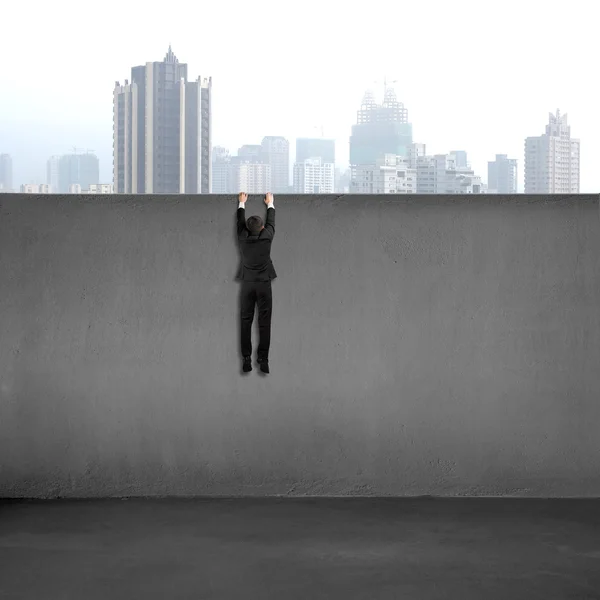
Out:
{"x": 256, "y": 293}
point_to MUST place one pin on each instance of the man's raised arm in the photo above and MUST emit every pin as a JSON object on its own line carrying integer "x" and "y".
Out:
{"x": 270, "y": 223}
{"x": 241, "y": 212}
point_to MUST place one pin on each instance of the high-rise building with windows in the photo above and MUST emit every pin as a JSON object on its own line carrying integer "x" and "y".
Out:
{"x": 314, "y": 168}
{"x": 72, "y": 171}
{"x": 391, "y": 174}
{"x": 52, "y": 172}
{"x": 162, "y": 130}
{"x": 276, "y": 153}
{"x": 502, "y": 175}
{"x": 250, "y": 176}
{"x": 313, "y": 176}
{"x": 552, "y": 159}
{"x": 447, "y": 174}
{"x": 221, "y": 171}
{"x": 6, "y": 173}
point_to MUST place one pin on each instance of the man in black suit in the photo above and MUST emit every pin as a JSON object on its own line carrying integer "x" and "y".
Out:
{"x": 256, "y": 272}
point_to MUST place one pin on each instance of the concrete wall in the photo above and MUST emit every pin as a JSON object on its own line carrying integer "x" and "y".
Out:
{"x": 424, "y": 345}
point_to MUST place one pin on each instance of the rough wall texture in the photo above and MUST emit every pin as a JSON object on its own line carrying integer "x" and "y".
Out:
{"x": 425, "y": 345}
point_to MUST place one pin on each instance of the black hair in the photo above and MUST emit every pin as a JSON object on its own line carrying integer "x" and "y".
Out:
{"x": 254, "y": 224}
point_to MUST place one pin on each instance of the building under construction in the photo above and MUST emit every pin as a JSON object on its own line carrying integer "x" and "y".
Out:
{"x": 380, "y": 129}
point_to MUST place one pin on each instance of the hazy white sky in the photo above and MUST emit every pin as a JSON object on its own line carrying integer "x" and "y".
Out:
{"x": 478, "y": 76}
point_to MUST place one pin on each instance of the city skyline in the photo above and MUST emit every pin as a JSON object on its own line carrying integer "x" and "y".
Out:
{"x": 486, "y": 97}
{"x": 288, "y": 176}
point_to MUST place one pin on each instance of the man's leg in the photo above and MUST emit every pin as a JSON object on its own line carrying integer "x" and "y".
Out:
{"x": 247, "y": 305}
{"x": 264, "y": 300}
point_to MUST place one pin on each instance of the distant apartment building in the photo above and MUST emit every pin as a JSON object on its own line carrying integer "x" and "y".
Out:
{"x": 276, "y": 153}
{"x": 101, "y": 188}
{"x": 313, "y": 176}
{"x": 6, "y": 173}
{"x": 391, "y": 174}
{"x": 221, "y": 171}
{"x": 502, "y": 175}
{"x": 311, "y": 149}
{"x": 460, "y": 159}
{"x": 94, "y": 188}
{"x": 52, "y": 169}
{"x": 342, "y": 181}
{"x": 552, "y": 160}
{"x": 162, "y": 130}
{"x": 250, "y": 176}
{"x": 36, "y": 188}
{"x": 66, "y": 172}
{"x": 414, "y": 152}
{"x": 441, "y": 174}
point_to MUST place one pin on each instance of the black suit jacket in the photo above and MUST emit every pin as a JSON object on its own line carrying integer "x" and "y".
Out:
{"x": 256, "y": 264}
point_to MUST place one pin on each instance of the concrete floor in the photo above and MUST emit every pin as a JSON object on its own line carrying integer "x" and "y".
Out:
{"x": 421, "y": 548}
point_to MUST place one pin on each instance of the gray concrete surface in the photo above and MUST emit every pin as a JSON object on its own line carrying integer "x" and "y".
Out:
{"x": 351, "y": 549}
{"x": 424, "y": 345}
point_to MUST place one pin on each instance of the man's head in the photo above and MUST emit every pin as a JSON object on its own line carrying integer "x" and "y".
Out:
{"x": 254, "y": 225}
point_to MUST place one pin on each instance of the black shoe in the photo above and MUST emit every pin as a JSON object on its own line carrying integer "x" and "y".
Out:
{"x": 247, "y": 367}
{"x": 264, "y": 364}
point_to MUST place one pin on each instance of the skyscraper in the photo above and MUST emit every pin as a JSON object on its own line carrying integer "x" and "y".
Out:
{"x": 315, "y": 148}
{"x": 276, "y": 153}
{"x": 63, "y": 172}
{"x": 380, "y": 129}
{"x": 221, "y": 171}
{"x": 502, "y": 175}
{"x": 162, "y": 130}
{"x": 552, "y": 159}
{"x": 52, "y": 172}
{"x": 6, "y": 173}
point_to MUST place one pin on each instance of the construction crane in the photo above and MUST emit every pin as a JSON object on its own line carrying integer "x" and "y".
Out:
{"x": 385, "y": 83}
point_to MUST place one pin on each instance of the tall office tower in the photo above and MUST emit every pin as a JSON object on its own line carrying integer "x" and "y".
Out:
{"x": 502, "y": 175}
{"x": 315, "y": 148}
{"x": 63, "y": 172}
{"x": 52, "y": 172}
{"x": 391, "y": 174}
{"x": 162, "y": 131}
{"x": 6, "y": 173}
{"x": 276, "y": 153}
{"x": 440, "y": 174}
{"x": 552, "y": 159}
{"x": 313, "y": 176}
{"x": 380, "y": 129}
{"x": 250, "y": 176}
{"x": 221, "y": 171}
